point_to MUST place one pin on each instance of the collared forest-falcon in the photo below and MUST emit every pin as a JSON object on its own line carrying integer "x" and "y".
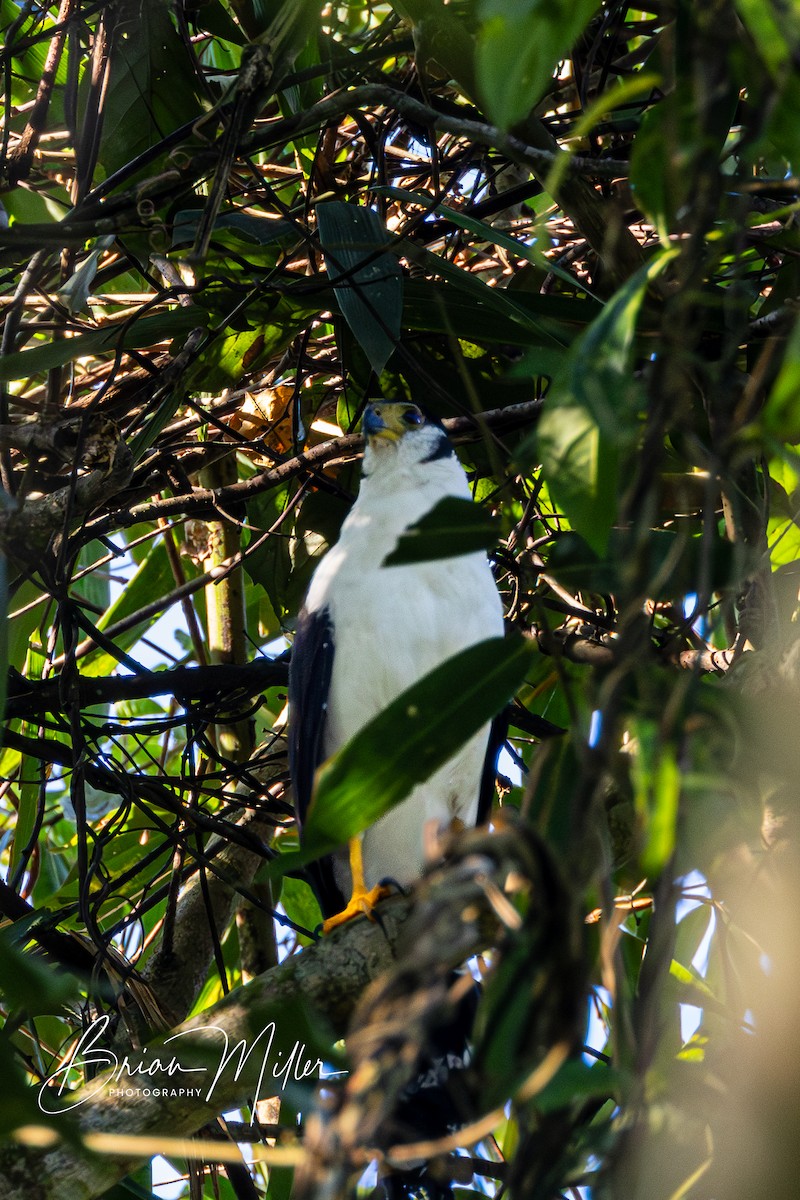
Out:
{"x": 367, "y": 632}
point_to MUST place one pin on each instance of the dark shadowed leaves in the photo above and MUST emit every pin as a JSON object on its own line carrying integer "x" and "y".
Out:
{"x": 368, "y": 284}
{"x": 154, "y": 87}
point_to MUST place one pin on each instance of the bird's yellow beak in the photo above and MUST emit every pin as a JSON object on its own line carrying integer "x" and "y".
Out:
{"x": 388, "y": 420}
{"x": 381, "y": 421}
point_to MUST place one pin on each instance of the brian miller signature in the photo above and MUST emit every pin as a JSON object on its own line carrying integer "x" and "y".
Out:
{"x": 88, "y": 1057}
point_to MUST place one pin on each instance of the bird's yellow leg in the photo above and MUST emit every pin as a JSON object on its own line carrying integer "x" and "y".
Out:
{"x": 362, "y": 902}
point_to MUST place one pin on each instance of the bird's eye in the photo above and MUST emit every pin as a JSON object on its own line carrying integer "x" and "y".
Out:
{"x": 412, "y": 416}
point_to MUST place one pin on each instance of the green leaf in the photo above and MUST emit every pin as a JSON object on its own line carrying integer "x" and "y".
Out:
{"x": 419, "y": 732}
{"x": 434, "y": 307}
{"x": 27, "y": 805}
{"x": 665, "y": 141}
{"x": 519, "y": 47}
{"x": 24, "y": 363}
{"x": 25, "y": 207}
{"x": 28, "y": 982}
{"x": 157, "y": 423}
{"x": 452, "y": 527}
{"x": 575, "y": 1081}
{"x": 495, "y": 300}
{"x": 30, "y": 60}
{"x": 153, "y": 578}
{"x": 153, "y": 88}
{"x": 371, "y": 296}
{"x": 589, "y": 421}
{"x": 237, "y": 352}
{"x": 301, "y": 905}
{"x": 782, "y": 412}
{"x": 657, "y": 789}
{"x": 775, "y": 28}
{"x": 582, "y": 468}
{"x": 95, "y": 587}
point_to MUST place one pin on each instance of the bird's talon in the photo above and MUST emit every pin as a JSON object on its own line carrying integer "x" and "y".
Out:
{"x": 393, "y": 886}
{"x": 361, "y": 904}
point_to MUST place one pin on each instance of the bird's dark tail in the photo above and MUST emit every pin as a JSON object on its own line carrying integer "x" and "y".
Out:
{"x": 435, "y": 1103}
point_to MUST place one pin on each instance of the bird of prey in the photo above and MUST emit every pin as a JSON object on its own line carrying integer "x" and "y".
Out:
{"x": 368, "y": 632}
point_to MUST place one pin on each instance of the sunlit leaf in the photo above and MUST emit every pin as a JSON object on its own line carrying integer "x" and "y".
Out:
{"x": 589, "y": 420}
{"x": 519, "y": 47}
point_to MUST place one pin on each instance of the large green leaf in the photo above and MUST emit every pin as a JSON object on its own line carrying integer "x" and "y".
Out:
{"x": 493, "y": 299}
{"x": 519, "y": 46}
{"x": 451, "y": 528}
{"x": 589, "y": 421}
{"x": 26, "y": 54}
{"x": 370, "y": 294}
{"x": 775, "y": 28}
{"x": 411, "y": 739}
{"x": 659, "y": 179}
{"x": 154, "y": 87}
{"x": 485, "y": 315}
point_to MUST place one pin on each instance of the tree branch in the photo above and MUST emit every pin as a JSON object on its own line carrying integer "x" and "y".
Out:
{"x": 205, "y": 500}
{"x": 29, "y": 698}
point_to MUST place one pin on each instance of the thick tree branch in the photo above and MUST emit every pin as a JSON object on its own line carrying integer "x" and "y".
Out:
{"x": 28, "y": 698}
{"x": 26, "y": 530}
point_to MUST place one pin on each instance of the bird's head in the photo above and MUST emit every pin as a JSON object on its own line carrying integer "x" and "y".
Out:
{"x": 401, "y": 432}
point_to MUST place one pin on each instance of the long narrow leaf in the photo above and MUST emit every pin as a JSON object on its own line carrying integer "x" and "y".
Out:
{"x": 371, "y": 292}
{"x": 418, "y": 733}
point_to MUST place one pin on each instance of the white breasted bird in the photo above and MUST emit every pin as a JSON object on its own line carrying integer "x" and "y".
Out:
{"x": 367, "y": 632}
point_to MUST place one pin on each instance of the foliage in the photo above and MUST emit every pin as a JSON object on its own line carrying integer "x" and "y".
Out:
{"x": 570, "y": 231}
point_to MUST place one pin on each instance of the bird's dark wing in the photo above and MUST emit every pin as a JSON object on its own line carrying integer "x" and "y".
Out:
{"x": 309, "y": 685}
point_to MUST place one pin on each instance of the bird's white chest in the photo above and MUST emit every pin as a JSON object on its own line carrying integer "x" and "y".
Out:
{"x": 391, "y": 626}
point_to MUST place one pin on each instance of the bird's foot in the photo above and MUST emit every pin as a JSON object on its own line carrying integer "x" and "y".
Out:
{"x": 361, "y": 903}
